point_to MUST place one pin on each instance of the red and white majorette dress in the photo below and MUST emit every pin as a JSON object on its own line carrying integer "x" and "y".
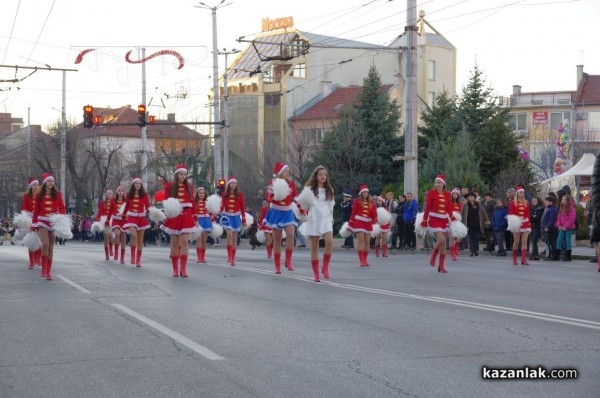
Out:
{"x": 185, "y": 222}
{"x": 136, "y": 209}
{"x": 363, "y": 216}
{"x": 521, "y": 209}
{"x": 45, "y": 206}
{"x": 438, "y": 210}
{"x": 28, "y": 204}
{"x": 105, "y": 212}
{"x": 117, "y": 220}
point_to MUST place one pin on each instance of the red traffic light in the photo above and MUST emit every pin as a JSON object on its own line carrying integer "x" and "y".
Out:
{"x": 88, "y": 109}
{"x": 221, "y": 183}
{"x": 88, "y": 116}
{"x": 97, "y": 120}
{"x": 142, "y": 115}
{"x": 141, "y": 108}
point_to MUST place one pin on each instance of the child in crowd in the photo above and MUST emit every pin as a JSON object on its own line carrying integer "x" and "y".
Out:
{"x": 548, "y": 226}
{"x": 499, "y": 225}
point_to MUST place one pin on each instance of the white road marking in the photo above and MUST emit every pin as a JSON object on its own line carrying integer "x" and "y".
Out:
{"x": 470, "y": 304}
{"x": 205, "y": 352}
{"x": 75, "y": 285}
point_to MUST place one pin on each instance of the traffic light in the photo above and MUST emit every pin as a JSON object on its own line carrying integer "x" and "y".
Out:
{"x": 142, "y": 115}
{"x": 97, "y": 120}
{"x": 88, "y": 116}
{"x": 220, "y": 186}
{"x": 152, "y": 119}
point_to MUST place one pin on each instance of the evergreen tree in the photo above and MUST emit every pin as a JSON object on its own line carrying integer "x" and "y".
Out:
{"x": 439, "y": 122}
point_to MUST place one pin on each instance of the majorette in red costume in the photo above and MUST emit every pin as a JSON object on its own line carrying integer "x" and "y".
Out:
{"x": 184, "y": 223}
{"x": 381, "y": 240}
{"x": 105, "y": 212}
{"x": 456, "y": 205}
{"x": 266, "y": 230}
{"x": 205, "y": 219}
{"x": 364, "y": 214}
{"x": 117, "y": 223}
{"x": 137, "y": 206}
{"x": 28, "y": 206}
{"x": 520, "y": 207}
{"x": 233, "y": 216}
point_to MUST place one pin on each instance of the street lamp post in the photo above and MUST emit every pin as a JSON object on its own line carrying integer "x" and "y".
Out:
{"x": 216, "y": 137}
{"x": 226, "y": 113}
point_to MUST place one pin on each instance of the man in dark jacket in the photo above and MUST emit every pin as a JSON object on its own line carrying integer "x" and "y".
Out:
{"x": 489, "y": 204}
{"x": 346, "y": 212}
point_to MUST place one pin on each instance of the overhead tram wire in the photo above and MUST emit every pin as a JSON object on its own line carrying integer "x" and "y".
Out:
{"x": 12, "y": 29}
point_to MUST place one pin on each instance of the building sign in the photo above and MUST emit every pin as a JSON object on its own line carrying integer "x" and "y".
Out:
{"x": 277, "y": 23}
{"x": 540, "y": 117}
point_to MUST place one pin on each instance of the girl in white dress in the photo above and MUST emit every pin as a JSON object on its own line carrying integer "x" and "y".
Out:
{"x": 320, "y": 220}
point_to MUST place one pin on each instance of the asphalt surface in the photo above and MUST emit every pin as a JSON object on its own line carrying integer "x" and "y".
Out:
{"x": 395, "y": 329}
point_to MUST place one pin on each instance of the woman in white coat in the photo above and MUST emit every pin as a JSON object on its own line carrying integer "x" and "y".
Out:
{"x": 320, "y": 220}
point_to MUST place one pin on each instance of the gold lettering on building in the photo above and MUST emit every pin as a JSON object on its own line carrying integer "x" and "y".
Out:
{"x": 269, "y": 24}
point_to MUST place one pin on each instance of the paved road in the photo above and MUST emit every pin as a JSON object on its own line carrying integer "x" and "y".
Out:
{"x": 395, "y": 329}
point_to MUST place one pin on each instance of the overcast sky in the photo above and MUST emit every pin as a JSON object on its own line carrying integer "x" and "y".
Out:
{"x": 533, "y": 43}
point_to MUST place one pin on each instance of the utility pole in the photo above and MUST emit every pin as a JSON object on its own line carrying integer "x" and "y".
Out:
{"x": 144, "y": 128}
{"x": 216, "y": 135}
{"x": 411, "y": 170}
{"x": 226, "y": 113}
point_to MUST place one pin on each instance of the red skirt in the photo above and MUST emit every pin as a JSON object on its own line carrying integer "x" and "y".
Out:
{"x": 182, "y": 224}
{"x": 139, "y": 223}
{"x": 360, "y": 226}
{"x": 117, "y": 224}
{"x": 438, "y": 224}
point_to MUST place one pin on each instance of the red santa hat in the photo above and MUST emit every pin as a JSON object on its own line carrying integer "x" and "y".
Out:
{"x": 280, "y": 168}
{"x": 362, "y": 189}
{"x": 136, "y": 179}
{"x": 120, "y": 187}
{"x": 180, "y": 168}
{"x": 47, "y": 177}
{"x": 380, "y": 197}
{"x": 230, "y": 180}
{"x": 455, "y": 189}
{"x": 200, "y": 188}
{"x": 519, "y": 188}
{"x": 32, "y": 181}
{"x": 106, "y": 193}
{"x": 441, "y": 177}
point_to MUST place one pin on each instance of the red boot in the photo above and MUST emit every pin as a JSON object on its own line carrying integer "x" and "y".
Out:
{"x": 229, "y": 253}
{"x": 175, "y": 264}
{"x": 365, "y": 255}
{"x": 138, "y": 259}
{"x": 361, "y": 258}
{"x": 376, "y": 251}
{"x": 269, "y": 251}
{"x": 288, "y": 259}
{"x": 441, "y": 267}
{"x": 326, "y": 258}
{"x": 384, "y": 249}
{"x": 183, "y": 266}
{"x": 44, "y": 262}
{"x": 122, "y": 255}
{"x": 524, "y": 257}
{"x": 48, "y": 268}
{"x": 133, "y": 249}
{"x": 453, "y": 253}
{"x": 116, "y": 252}
{"x": 433, "y": 257}
{"x": 514, "y": 257}
{"x": 233, "y": 251}
{"x": 315, "y": 268}
{"x": 201, "y": 255}
{"x": 106, "y": 253}
{"x": 277, "y": 261}
{"x": 31, "y": 257}
{"x": 456, "y": 251}
{"x": 110, "y": 249}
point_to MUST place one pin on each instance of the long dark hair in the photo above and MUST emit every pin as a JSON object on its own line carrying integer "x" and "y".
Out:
{"x": 29, "y": 192}
{"x": 116, "y": 198}
{"x": 53, "y": 192}
{"x": 175, "y": 186}
{"x": 313, "y": 183}
{"x": 131, "y": 193}
{"x": 197, "y": 196}
{"x": 235, "y": 191}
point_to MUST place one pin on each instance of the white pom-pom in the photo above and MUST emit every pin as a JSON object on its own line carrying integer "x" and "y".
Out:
{"x": 213, "y": 203}
{"x": 514, "y": 223}
{"x": 306, "y": 198}
{"x": 260, "y": 236}
{"x": 296, "y": 211}
{"x": 156, "y": 214}
{"x": 419, "y": 230}
{"x": 383, "y": 216}
{"x": 281, "y": 189}
{"x": 344, "y": 231}
{"x": 302, "y": 230}
{"x": 458, "y": 229}
{"x": 22, "y": 220}
{"x": 32, "y": 241}
{"x": 457, "y": 215}
{"x": 217, "y": 231}
{"x": 172, "y": 207}
{"x": 97, "y": 226}
{"x": 19, "y": 235}
{"x": 249, "y": 220}
{"x": 61, "y": 225}
{"x": 376, "y": 231}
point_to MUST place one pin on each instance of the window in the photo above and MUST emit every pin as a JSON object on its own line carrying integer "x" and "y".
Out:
{"x": 593, "y": 121}
{"x": 272, "y": 100}
{"x": 517, "y": 121}
{"x": 431, "y": 70}
{"x": 431, "y": 99}
{"x": 312, "y": 137}
{"x": 299, "y": 70}
{"x": 557, "y": 117}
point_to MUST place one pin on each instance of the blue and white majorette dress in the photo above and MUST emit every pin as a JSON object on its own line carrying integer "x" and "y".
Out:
{"x": 204, "y": 218}
{"x": 280, "y": 213}
{"x": 320, "y": 215}
{"x": 233, "y": 211}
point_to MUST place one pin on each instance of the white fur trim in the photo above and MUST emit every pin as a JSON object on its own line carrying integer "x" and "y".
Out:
{"x": 284, "y": 168}
{"x": 363, "y": 190}
{"x": 136, "y": 180}
{"x": 47, "y": 179}
{"x": 33, "y": 182}
{"x": 180, "y": 170}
